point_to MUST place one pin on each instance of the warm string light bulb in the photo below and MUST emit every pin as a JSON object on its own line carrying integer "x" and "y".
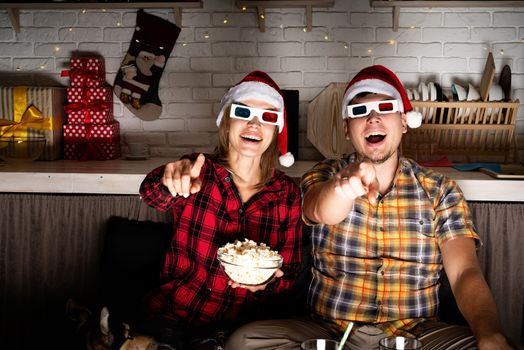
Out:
{"x": 206, "y": 35}
{"x": 226, "y": 20}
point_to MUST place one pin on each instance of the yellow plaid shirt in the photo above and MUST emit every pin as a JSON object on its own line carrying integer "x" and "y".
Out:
{"x": 381, "y": 265}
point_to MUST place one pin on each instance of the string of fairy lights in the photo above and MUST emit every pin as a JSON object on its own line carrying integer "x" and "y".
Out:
{"x": 226, "y": 21}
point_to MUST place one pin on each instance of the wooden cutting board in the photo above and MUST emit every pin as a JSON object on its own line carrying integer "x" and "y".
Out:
{"x": 487, "y": 77}
{"x": 324, "y": 122}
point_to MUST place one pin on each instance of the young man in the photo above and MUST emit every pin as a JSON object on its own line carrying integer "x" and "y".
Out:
{"x": 384, "y": 228}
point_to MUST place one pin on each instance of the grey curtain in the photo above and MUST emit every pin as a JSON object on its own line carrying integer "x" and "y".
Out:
{"x": 50, "y": 247}
{"x": 501, "y": 228}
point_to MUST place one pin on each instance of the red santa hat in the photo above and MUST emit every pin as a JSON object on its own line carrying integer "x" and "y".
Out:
{"x": 380, "y": 80}
{"x": 258, "y": 85}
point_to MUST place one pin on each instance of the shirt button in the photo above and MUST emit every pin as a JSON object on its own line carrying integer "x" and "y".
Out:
{"x": 379, "y": 303}
{"x": 228, "y": 179}
{"x": 421, "y": 222}
{"x": 240, "y": 211}
{"x": 382, "y": 273}
{"x": 381, "y": 229}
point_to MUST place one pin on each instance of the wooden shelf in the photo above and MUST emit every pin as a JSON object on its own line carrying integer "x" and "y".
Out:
{"x": 13, "y": 8}
{"x": 396, "y": 5}
{"x": 261, "y": 5}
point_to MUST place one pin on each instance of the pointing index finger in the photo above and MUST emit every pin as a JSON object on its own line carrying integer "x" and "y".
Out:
{"x": 197, "y": 166}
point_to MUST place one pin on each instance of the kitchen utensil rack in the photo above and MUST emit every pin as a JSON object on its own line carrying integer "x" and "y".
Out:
{"x": 464, "y": 132}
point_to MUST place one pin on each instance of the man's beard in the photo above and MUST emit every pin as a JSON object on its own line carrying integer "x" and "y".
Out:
{"x": 375, "y": 160}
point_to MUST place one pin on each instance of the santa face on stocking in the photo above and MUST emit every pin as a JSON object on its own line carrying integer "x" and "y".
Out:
{"x": 137, "y": 81}
{"x": 138, "y": 74}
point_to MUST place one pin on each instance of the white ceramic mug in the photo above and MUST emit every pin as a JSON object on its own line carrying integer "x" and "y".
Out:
{"x": 138, "y": 149}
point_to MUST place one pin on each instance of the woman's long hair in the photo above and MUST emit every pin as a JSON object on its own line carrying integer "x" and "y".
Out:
{"x": 268, "y": 160}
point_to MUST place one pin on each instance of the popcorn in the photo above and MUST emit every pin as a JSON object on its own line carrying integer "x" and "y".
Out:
{"x": 249, "y": 263}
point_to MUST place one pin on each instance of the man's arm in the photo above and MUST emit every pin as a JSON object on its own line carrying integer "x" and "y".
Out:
{"x": 472, "y": 293}
{"x": 329, "y": 202}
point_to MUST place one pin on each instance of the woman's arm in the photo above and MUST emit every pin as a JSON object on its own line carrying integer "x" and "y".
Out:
{"x": 154, "y": 193}
{"x": 165, "y": 184}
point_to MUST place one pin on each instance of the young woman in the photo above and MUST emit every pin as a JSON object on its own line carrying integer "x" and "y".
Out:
{"x": 236, "y": 193}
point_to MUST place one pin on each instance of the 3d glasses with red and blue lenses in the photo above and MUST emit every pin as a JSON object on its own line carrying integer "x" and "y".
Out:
{"x": 363, "y": 109}
{"x": 247, "y": 113}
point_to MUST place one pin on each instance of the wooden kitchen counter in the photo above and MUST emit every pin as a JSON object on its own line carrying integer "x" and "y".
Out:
{"x": 124, "y": 177}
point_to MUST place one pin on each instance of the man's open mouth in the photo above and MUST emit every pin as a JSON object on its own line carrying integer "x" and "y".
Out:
{"x": 375, "y": 137}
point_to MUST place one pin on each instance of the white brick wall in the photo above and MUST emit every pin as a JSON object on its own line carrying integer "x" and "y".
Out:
{"x": 444, "y": 45}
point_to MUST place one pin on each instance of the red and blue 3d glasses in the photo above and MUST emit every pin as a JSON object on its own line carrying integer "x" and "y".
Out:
{"x": 381, "y": 107}
{"x": 264, "y": 115}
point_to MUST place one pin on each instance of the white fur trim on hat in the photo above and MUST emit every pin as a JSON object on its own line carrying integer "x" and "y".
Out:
{"x": 377, "y": 86}
{"x": 286, "y": 160}
{"x": 252, "y": 90}
{"x": 414, "y": 119}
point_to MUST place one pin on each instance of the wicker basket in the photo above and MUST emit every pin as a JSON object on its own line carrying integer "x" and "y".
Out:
{"x": 464, "y": 132}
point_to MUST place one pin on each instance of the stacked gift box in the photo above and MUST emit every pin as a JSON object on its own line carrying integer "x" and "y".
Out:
{"x": 90, "y": 132}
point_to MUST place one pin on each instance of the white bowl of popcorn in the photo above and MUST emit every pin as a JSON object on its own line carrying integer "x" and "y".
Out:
{"x": 249, "y": 263}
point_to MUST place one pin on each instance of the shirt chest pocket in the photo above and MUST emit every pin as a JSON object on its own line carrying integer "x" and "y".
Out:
{"x": 422, "y": 226}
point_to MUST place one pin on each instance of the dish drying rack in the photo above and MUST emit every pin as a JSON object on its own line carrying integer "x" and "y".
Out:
{"x": 464, "y": 132}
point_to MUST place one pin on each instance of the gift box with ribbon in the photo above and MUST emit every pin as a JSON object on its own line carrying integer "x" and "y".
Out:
{"x": 34, "y": 112}
{"x": 88, "y": 95}
{"x": 89, "y": 141}
{"x": 98, "y": 112}
{"x": 86, "y": 72}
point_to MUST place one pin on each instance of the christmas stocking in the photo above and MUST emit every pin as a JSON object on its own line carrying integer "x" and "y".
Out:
{"x": 136, "y": 83}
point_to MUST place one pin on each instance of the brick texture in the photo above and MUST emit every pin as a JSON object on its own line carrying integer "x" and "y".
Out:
{"x": 444, "y": 45}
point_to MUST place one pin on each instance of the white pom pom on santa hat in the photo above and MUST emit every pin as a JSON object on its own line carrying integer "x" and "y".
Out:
{"x": 259, "y": 85}
{"x": 380, "y": 80}
{"x": 287, "y": 159}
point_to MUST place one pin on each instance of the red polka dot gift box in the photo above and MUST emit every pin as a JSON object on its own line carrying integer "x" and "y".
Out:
{"x": 92, "y": 142}
{"x": 86, "y": 72}
{"x": 88, "y": 95}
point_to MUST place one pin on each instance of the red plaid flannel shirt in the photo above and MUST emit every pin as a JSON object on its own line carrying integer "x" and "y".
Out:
{"x": 194, "y": 289}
